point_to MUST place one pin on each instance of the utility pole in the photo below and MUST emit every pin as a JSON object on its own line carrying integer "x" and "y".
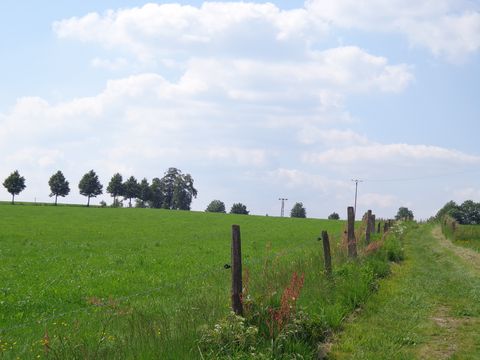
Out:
{"x": 282, "y": 211}
{"x": 356, "y": 181}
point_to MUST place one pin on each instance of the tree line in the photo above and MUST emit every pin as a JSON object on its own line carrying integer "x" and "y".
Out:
{"x": 174, "y": 190}
{"x": 467, "y": 213}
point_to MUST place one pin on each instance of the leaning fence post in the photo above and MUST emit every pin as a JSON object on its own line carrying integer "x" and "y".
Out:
{"x": 352, "y": 244}
{"x": 326, "y": 253}
{"x": 368, "y": 227}
{"x": 236, "y": 271}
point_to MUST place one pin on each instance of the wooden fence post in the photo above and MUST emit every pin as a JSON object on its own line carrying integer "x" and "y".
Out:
{"x": 326, "y": 253}
{"x": 373, "y": 223}
{"x": 237, "y": 306}
{"x": 379, "y": 228}
{"x": 368, "y": 227}
{"x": 385, "y": 227}
{"x": 352, "y": 243}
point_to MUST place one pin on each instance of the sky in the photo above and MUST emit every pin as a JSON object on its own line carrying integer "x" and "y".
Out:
{"x": 256, "y": 100}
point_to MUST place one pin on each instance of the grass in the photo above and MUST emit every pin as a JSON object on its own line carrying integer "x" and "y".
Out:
{"x": 467, "y": 236}
{"x": 429, "y": 308}
{"x": 143, "y": 283}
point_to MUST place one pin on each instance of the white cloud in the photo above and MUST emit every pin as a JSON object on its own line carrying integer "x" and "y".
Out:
{"x": 375, "y": 200}
{"x": 295, "y": 178}
{"x": 393, "y": 153}
{"x": 331, "y": 137}
{"x": 242, "y": 156}
{"x": 448, "y": 28}
{"x": 172, "y": 28}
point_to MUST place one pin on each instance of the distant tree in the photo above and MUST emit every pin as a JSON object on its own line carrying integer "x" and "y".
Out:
{"x": 216, "y": 206}
{"x": 298, "y": 211}
{"x": 58, "y": 185}
{"x": 239, "y": 208}
{"x": 14, "y": 184}
{"x": 144, "y": 193}
{"x": 115, "y": 187}
{"x": 156, "y": 194}
{"x": 404, "y": 214}
{"x": 177, "y": 190}
{"x": 468, "y": 213}
{"x": 131, "y": 189}
{"x": 90, "y": 186}
{"x": 334, "y": 216}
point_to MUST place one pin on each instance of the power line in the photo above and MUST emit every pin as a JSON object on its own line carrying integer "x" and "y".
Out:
{"x": 282, "y": 210}
{"x": 356, "y": 191}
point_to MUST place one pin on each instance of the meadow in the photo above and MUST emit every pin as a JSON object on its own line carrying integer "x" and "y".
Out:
{"x": 463, "y": 235}
{"x": 94, "y": 283}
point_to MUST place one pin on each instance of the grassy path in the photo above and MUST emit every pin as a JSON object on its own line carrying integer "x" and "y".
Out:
{"x": 428, "y": 309}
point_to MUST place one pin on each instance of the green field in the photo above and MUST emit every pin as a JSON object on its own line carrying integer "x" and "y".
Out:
{"x": 463, "y": 235}
{"x": 142, "y": 283}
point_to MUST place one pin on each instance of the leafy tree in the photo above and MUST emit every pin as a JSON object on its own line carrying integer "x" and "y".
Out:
{"x": 144, "y": 193}
{"x": 239, "y": 208}
{"x": 90, "y": 186}
{"x": 14, "y": 184}
{"x": 156, "y": 194}
{"x": 59, "y": 186}
{"x": 334, "y": 216}
{"x": 298, "y": 211}
{"x": 468, "y": 213}
{"x": 177, "y": 189}
{"x": 404, "y": 214}
{"x": 115, "y": 187}
{"x": 131, "y": 189}
{"x": 447, "y": 209}
{"x": 216, "y": 206}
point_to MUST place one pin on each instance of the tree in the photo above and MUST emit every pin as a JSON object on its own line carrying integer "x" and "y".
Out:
{"x": 144, "y": 193}
{"x": 58, "y": 185}
{"x": 131, "y": 189}
{"x": 216, "y": 206}
{"x": 239, "y": 208}
{"x": 298, "y": 211}
{"x": 14, "y": 184}
{"x": 90, "y": 186}
{"x": 334, "y": 216}
{"x": 156, "y": 194}
{"x": 447, "y": 209}
{"x": 177, "y": 190}
{"x": 404, "y": 214}
{"x": 115, "y": 187}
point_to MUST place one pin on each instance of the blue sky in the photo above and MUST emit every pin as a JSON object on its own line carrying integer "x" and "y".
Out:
{"x": 256, "y": 100}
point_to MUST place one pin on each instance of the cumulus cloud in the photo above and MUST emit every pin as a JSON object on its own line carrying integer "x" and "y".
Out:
{"x": 168, "y": 29}
{"x": 448, "y": 28}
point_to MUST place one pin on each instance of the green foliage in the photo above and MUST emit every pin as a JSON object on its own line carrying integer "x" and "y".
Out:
{"x": 298, "y": 211}
{"x": 216, "y": 206}
{"x": 115, "y": 188}
{"x": 468, "y": 213}
{"x": 239, "y": 208}
{"x": 131, "y": 189}
{"x": 144, "y": 193}
{"x": 404, "y": 214}
{"x": 14, "y": 184}
{"x": 229, "y": 337}
{"x": 58, "y": 185}
{"x": 156, "y": 194}
{"x": 90, "y": 186}
{"x": 334, "y": 216}
{"x": 446, "y": 210}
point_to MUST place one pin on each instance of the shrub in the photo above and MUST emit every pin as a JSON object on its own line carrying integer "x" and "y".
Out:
{"x": 334, "y": 216}
{"x": 298, "y": 211}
